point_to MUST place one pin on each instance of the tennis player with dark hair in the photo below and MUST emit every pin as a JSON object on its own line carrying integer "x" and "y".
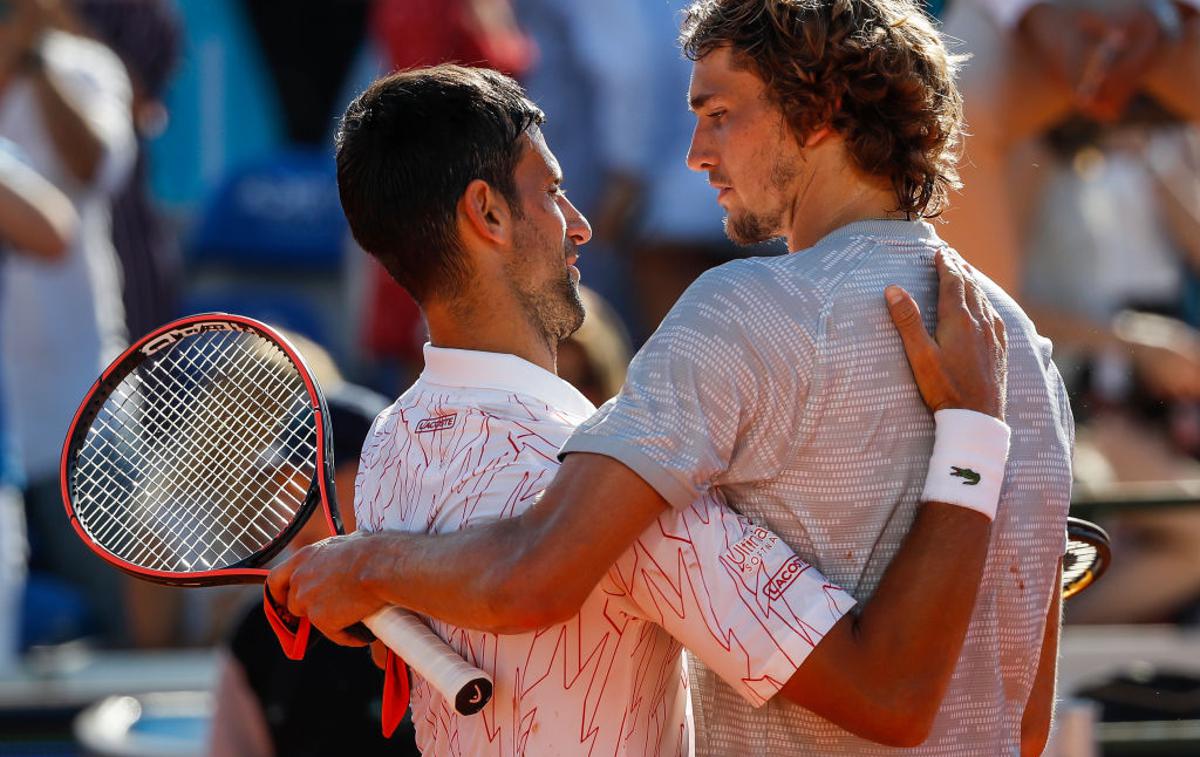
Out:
{"x": 446, "y": 179}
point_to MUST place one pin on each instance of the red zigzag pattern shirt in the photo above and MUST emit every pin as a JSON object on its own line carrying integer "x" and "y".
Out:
{"x": 477, "y": 438}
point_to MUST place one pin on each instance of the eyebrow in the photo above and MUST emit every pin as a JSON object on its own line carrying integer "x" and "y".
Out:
{"x": 697, "y": 102}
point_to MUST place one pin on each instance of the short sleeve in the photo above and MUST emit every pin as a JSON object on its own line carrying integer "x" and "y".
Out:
{"x": 712, "y": 397}
{"x": 97, "y": 84}
{"x": 733, "y": 593}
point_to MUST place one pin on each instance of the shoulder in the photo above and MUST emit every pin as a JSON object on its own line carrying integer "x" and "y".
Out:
{"x": 85, "y": 59}
{"x": 1017, "y": 324}
{"x": 751, "y": 294}
{"x": 442, "y": 422}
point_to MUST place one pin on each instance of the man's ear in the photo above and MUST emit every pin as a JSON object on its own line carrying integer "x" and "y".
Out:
{"x": 485, "y": 213}
{"x": 817, "y": 136}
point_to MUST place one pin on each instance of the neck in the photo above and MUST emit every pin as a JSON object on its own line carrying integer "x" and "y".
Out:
{"x": 831, "y": 200}
{"x": 487, "y": 325}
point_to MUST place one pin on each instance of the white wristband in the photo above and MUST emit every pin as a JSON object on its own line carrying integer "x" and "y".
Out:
{"x": 970, "y": 450}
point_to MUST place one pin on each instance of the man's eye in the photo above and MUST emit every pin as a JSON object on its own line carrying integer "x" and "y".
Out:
{"x": 716, "y": 114}
{"x": 560, "y": 191}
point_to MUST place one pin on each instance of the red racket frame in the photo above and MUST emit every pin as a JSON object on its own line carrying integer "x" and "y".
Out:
{"x": 117, "y": 371}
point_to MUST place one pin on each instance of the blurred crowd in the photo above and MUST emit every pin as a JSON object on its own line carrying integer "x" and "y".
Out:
{"x": 161, "y": 157}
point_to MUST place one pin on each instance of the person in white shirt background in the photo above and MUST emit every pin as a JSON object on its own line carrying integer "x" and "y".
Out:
{"x": 37, "y": 220}
{"x": 65, "y": 102}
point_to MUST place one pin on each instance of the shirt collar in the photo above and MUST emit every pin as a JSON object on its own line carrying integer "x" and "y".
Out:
{"x": 476, "y": 369}
{"x": 897, "y": 230}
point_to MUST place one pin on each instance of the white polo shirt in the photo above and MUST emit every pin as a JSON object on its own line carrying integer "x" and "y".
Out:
{"x": 477, "y": 438}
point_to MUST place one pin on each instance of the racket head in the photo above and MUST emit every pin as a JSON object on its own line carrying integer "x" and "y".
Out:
{"x": 1088, "y": 555}
{"x": 203, "y": 400}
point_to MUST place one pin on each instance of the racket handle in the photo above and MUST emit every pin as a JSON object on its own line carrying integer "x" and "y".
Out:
{"x": 460, "y": 682}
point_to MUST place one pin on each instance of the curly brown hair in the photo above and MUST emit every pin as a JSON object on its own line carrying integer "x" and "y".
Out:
{"x": 875, "y": 71}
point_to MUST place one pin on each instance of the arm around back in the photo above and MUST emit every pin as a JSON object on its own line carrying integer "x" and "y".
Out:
{"x": 881, "y": 672}
{"x": 526, "y": 572}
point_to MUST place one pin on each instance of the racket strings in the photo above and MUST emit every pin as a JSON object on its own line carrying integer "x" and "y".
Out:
{"x": 199, "y": 481}
{"x": 228, "y": 493}
{"x": 144, "y": 493}
{"x": 201, "y": 457}
{"x": 1081, "y": 557}
{"x": 176, "y": 525}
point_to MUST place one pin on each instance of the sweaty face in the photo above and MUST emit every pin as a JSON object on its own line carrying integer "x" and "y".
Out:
{"x": 742, "y": 142}
{"x": 547, "y": 235}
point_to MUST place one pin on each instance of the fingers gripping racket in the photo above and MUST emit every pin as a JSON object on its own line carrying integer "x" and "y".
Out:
{"x": 1088, "y": 555}
{"x": 195, "y": 458}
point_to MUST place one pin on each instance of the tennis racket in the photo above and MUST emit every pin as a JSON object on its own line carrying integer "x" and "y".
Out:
{"x": 1088, "y": 555}
{"x": 199, "y": 453}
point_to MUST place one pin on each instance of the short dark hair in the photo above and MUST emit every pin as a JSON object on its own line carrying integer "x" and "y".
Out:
{"x": 874, "y": 70}
{"x": 408, "y": 147}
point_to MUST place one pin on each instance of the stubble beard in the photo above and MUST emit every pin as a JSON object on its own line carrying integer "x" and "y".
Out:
{"x": 555, "y": 307}
{"x": 749, "y": 227}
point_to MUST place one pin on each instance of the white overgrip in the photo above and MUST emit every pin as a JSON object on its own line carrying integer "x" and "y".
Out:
{"x": 460, "y": 682}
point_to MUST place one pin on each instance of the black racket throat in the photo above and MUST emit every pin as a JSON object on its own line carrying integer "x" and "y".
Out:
{"x": 186, "y": 463}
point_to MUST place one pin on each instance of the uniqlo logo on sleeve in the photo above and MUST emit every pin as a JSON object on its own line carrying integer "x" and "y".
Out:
{"x": 439, "y": 423}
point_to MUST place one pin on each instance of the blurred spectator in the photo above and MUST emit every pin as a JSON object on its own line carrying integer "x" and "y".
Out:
{"x": 472, "y": 32}
{"x": 65, "y": 101}
{"x": 1032, "y": 65}
{"x": 594, "y": 76}
{"x": 422, "y": 33}
{"x": 595, "y": 358}
{"x": 1110, "y": 247}
{"x": 309, "y": 48}
{"x": 35, "y": 219}
{"x": 269, "y": 705}
{"x": 146, "y": 35}
{"x": 680, "y": 233}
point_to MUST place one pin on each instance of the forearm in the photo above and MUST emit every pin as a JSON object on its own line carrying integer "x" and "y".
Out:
{"x": 36, "y": 218}
{"x": 79, "y": 147}
{"x": 458, "y": 577}
{"x": 883, "y": 672}
{"x": 909, "y": 641}
{"x": 520, "y": 573}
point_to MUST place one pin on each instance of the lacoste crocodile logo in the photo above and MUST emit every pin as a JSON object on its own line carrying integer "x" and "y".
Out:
{"x": 970, "y": 477}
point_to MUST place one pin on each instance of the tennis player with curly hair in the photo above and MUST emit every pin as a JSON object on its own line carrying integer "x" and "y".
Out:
{"x": 780, "y": 384}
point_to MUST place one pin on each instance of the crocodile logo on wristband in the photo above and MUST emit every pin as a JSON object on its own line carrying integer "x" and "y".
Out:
{"x": 970, "y": 477}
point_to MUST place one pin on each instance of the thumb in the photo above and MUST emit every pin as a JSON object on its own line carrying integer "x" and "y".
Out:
{"x": 906, "y": 316}
{"x": 279, "y": 581}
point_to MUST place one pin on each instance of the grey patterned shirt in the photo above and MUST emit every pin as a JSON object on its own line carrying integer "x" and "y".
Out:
{"x": 782, "y": 382}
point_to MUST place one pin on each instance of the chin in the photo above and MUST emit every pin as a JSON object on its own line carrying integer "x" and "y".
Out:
{"x": 747, "y": 230}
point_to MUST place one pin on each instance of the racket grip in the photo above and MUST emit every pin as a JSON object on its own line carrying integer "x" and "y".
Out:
{"x": 460, "y": 682}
